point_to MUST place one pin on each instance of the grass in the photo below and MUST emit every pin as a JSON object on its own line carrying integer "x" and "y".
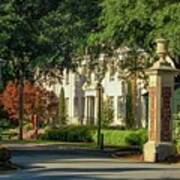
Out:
{"x": 47, "y": 142}
{"x": 114, "y": 137}
{"x": 91, "y": 146}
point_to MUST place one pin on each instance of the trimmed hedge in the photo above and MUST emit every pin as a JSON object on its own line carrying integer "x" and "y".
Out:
{"x": 89, "y": 134}
{"x": 69, "y": 134}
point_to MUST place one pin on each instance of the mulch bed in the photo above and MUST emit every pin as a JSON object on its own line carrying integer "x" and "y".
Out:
{"x": 173, "y": 159}
{"x": 5, "y": 156}
{"x": 7, "y": 166}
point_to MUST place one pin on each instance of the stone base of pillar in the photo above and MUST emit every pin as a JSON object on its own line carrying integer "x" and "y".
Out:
{"x": 156, "y": 152}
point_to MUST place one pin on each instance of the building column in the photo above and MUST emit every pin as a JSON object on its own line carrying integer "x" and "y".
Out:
{"x": 85, "y": 111}
{"x": 96, "y": 110}
{"x": 161, "y": 89}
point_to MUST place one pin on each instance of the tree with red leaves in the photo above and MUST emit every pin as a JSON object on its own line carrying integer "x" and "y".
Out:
{"x": 37, "y": 101}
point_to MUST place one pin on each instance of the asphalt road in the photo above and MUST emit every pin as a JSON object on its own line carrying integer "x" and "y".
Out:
{"x": 83, "y": 164}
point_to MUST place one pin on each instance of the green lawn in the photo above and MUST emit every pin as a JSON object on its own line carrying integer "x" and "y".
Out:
{"x": 114, "y": 137}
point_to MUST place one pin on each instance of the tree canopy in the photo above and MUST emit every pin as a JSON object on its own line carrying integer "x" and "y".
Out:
{"x": 138, "y": 23}
{"x": 44, "y": 32}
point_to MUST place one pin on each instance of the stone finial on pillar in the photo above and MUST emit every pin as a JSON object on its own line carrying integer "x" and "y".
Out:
{"x": 162, "y": 48}
{"x": 162, "y": 52}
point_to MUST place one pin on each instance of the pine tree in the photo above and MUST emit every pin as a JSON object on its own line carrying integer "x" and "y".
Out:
{"x": 62, "y": 114}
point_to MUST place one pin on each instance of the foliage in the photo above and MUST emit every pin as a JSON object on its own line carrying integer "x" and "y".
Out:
{"x": 123, "y": 137}
{"x": 62, "y": 111}
{"x": 5, "y": 124}
{"x": 89, "y": 134}
{"x": 114, "y": 137}
{"x": 69, "y": 134}
{"x": 37, "y": 101}
{"x": 176, "y": 127}
{"x": 43, "y": 32}
{"x": 139, "y": 22}
{"x": 42, "y": 35}
{"x": 138, "y": 137}
{"x": 28, "y": 126}
{"x": 5, "y": 154}
{"x": 107, "y": 113}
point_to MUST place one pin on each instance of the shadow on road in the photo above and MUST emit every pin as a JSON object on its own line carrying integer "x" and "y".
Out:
{"x": 77, "y": 164}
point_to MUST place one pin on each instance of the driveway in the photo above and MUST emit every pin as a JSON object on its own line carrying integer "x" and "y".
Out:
{"x": 49, "y": 164}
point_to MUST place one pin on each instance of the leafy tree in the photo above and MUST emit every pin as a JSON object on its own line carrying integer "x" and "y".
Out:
{"x": 37, "y": 101}
{"x": 44, "y": 34}
{"x": 107, "y": 113}
{"x": 138, "y": 22}
{"x": 62, "y": 114}
{"x": 19, "y": 42}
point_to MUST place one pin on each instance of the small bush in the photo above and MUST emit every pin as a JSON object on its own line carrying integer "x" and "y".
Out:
{"x": 69, "y": 134}
{"x": 133, "y": 139}
{"x": 28, "y": 126}
{"x": 6, "y": 124}
{"x": 176, "y": 127}
{"x": 138, "y": 137}
{"x": 5, "y": 154}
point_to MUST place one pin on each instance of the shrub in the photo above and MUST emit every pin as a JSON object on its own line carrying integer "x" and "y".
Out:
{"x": 69, "y": 134}
{"x": 6, "y": 124}
{"x": 5, "y": 154}
{"x": 176, "y": 127}
{"x": 138, "y": 137}
{"x": 28, "y": 126}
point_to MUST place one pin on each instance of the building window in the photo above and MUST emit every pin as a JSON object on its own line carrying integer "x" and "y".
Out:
{"x": 77, "y": 78}
{"x": 76, "y": 112}
{"x": 83, "y": 106}
{"x": 123, "y": 87}
{"x": 111, "y": 77}
{"x": 67, "y": 105}
{"x": 120, "y": 107}
{"x": 90, "y": 110}
{"x": 111, "y": 101}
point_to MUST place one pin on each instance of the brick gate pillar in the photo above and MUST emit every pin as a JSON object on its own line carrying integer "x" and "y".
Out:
{"x": 161, "y": 89}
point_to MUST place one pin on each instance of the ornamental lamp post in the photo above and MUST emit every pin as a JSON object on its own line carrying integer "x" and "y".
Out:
{"x": 100, "y": 75}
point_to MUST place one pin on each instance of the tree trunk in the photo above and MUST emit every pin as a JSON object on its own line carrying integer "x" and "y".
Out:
{"x": 21, "y": 106}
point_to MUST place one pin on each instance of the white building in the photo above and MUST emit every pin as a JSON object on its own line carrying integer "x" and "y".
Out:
{"x": 81, "y": 94}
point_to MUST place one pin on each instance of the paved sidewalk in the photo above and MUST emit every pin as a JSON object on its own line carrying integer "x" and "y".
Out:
{"x": 80, "y": 164}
